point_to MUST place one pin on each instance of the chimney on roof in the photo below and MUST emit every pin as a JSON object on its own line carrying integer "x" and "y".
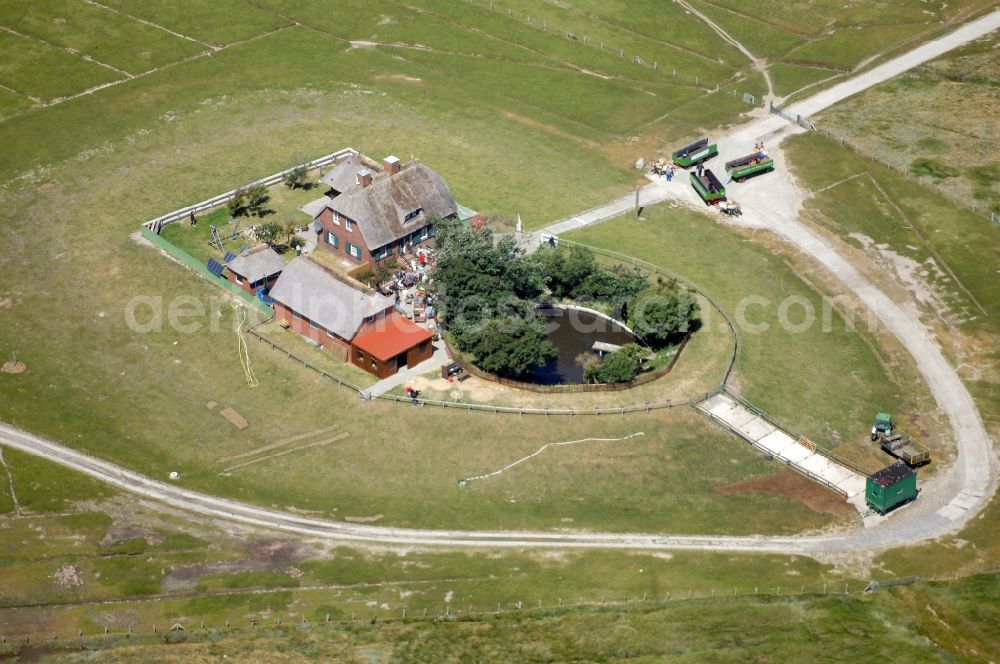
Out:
{"x": 364, "y": 177}
{"x": 391, "y": 164}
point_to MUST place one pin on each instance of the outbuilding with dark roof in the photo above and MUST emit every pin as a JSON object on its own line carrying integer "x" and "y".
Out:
{"x": 256, "y": 268}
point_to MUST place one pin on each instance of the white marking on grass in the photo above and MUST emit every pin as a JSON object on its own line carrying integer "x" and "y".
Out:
{"x": 545, "y": 447}
{"x": 10, "y": 481}
{"x": 151, "y": 24}
{"x": 320, "y": 443}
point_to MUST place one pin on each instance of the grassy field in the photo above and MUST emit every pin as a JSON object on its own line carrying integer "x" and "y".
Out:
{"x": 104, "y": 561}
{"x": 942, "y": 254}
{"x": 520, "y": 120}
{"x": 75, "y": 542}
{"x": 807, "y": 41}
{"x": 45, "y": 72}
{"x": 140, "y": 398}
{"x": 218, "y": 22}
{"x": 933, "y": 622}
{"x": 833, "y": 411}
{"x": 901, "y": 122}
{"x": 94, "y": 32}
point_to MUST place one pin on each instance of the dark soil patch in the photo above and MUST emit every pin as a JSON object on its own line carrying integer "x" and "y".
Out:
{"x": 795, "y": 486}
{"x": 265, "y": 556}
{"x": 276, "y": 552}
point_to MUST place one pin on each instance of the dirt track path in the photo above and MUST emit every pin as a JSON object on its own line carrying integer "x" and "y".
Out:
{"x": 959, "y": 495}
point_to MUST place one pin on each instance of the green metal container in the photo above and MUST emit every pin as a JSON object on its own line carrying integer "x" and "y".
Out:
{"x": 744, "y": 167}
{"x": 695, "y": 153}
{"x": 708, "y": 187}
{"x": 891, "y": 486}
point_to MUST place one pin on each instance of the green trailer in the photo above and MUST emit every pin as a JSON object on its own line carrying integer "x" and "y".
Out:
{"x": 897, "y": 443}
{"x": 904, "y": 448}
{"x": 752, "y": 164}
{"x": 695, "y": 153}
{"x": 890, "y": 487}
{"x": 708, "y": 187}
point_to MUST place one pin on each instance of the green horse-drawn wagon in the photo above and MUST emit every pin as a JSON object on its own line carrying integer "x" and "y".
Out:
{"x": 708, "y": 186}
{"x": 752, "y": 164}
{"x": 695, "y": 153}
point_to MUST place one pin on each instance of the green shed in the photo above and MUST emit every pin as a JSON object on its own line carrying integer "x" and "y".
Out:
{"x": 891, "y": 486}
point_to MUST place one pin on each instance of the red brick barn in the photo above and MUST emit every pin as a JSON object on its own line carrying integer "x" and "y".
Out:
{"x": 355, "y": 324}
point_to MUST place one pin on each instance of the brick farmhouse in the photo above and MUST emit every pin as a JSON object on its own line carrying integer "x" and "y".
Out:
{"x": 354, "y": 323}
{"x": 377, "y": 212}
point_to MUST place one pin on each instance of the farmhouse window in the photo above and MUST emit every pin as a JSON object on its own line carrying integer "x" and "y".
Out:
{"x": 425, "y": 232}
{"x": 411, "y": 215}
{"x": 353, "y": 250}
{"x": 360, "y": 356}
{"x": 348, "y": 224}
{"x": 239, "y": 279}
{"x": 332, "y": 239}
{"x": 336, "y": 218}
{"x": 331, "y": 334}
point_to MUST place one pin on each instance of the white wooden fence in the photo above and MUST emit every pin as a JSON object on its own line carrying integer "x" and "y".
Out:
{"x": 215, "y": 201}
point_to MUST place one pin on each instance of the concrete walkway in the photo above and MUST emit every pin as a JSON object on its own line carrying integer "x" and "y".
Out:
{"x": 768, "y": 438}
{"x": 656, "y": 191}
{"x": 401, "y": 377}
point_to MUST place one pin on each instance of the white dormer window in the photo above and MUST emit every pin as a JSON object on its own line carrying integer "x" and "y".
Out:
{"x": 413, "y": 214}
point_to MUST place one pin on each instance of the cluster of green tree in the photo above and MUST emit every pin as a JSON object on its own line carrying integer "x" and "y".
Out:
{"x": 660, "y": 316}
{"x": 485, "y": 287}
{"x": 619, "y": 366}
{"x": 575, "y": 274}
{"x": 249, "y": 201}
{"x": 663, "y": 314}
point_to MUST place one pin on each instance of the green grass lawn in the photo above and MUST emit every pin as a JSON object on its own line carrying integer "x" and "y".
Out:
{"x": 103, "y": 35}
{"x": 760, "y": 37}
{"x": 929, "y": 622}
{"x": 281, "y": 208}
{"x": 846, "y": 47}
{"x": 42, "y": 487}
{"x": 12, "y": 103}
{"x": 900, "y": 122}
{"x": 216, "y": 22}
{"x": 33, "y": 68}
{"x": 833, "y": 411}
{"x": 787, "y": 78}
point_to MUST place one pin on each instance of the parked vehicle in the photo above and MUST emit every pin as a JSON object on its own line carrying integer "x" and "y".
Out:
{"x": 695, "y": 153}
{"x": 883, "y": 424}
{"x": 708, "y": 186}
{"x": 897, "y": 443}
{"x": 752, "y": 164}
{"x": 890, "y": 487}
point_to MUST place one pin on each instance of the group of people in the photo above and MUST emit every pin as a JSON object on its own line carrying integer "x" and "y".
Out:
{"x": 665, "y": 168}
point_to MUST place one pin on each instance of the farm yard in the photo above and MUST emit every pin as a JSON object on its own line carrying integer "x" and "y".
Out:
{"x": 114, "y": 112}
